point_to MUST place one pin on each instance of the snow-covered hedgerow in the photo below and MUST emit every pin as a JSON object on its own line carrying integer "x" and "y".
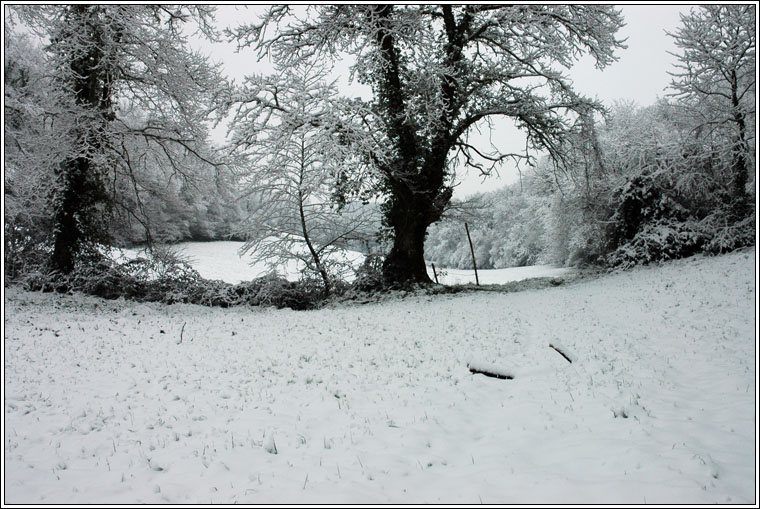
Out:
{"x": 664, "y": 239}
{"x": 164, "y": 277}
{"x": 657, "y": 242}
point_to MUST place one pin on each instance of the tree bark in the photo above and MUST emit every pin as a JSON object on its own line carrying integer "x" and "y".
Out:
{"x": 312, "y": 251}
{"x": 408, "y": 211}
{"x": 416, "y": 176}
{"x": 405, "y": 265}
{"x": 82, "y": 188}
{"x": 68, "y": 233}
{"x": 740, "y": 170}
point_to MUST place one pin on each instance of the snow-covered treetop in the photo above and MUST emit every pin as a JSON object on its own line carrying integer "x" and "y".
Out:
{"x": 453, "y": 65}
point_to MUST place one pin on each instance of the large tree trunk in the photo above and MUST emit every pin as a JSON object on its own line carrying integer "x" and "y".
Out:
{"x": 68, "y": 227}
{"x": 410, "y": 213}
{"x": 416, "y": 177}
{"x": 405, "y": 265}
{"x": 81, "y": 186}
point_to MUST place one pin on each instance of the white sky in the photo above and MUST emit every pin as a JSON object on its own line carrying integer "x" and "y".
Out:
{"x": 639, "y": 75}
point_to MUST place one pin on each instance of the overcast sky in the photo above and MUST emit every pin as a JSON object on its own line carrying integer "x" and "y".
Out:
{"x": 639, "y": 75}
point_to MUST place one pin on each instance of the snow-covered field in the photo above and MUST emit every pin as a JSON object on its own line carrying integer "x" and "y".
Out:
{"x": 121, "y": 402}
{"x": 497, "y": 276}
{"x": 222, "y": 260}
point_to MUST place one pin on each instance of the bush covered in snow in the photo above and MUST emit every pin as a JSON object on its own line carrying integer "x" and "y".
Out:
{"x": 656, "y": 242}
{"x": 163, "y": 276}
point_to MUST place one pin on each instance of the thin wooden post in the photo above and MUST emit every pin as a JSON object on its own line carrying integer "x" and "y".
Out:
{"x": 434, "y": 273}
{"x": 472, "y": 252}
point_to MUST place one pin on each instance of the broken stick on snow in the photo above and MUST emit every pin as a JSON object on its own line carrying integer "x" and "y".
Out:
{"x": 491, "y": 370}
{"x": 568, "y": 357}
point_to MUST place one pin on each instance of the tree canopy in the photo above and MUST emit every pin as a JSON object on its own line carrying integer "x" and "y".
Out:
{"x": 436, "y": 72}
{"x": 715, "y": 81}
{"x": 291, "y": 161}
{"x": 126, "y": 95}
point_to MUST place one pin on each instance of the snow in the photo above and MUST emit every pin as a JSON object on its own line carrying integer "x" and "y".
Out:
{"x": 125, "y": 402}
{"x": 221, "y": 260}
{"x": 497, "y": 276}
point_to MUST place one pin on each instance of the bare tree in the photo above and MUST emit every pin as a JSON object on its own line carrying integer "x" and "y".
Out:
{"x": 293, "y": 157}
{"x": 30, "y": 141}
{"x": 715, "y": 82}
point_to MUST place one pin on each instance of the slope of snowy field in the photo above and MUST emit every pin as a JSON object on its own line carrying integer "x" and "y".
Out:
{"x": 222, "y": 260}
{"x": 122, "y": 402}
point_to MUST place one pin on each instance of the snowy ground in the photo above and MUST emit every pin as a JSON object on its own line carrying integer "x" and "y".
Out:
{"x": 121, "y": 402}
{"x": 221, "y": 260}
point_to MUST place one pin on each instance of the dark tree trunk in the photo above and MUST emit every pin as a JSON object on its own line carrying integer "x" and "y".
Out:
{"x": 407, "y": 212}
{"x": 304, "y": 230}
{"x": 740, "y": 203}
{"x": 405, "y": 265}
{"x": 741, "y": 165}
{"x": 82, "y": 188}
{"x": 314, "y": 255}
{"x": 68, "y": 231}
{"x": 410, "y": 213}
{"x": 416, "y": 178}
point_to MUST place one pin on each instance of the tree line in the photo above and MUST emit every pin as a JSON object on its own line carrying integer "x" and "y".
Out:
{"x": 107, "y": 134}
{"x": 639, "y": 184}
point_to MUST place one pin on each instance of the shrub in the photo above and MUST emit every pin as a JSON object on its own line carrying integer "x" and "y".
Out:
{"x": 369, "y": 275}
{"x": 658, "y": 241}
{"x": 26, "y": 252}
{"x": 725, "y": 236}
{"x": 275, "y": 290}
{"x": 164, "y": 276}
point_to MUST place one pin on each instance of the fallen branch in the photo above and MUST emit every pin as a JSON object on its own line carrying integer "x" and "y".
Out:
{"x": 563, "y": 354}
{"x": 489, "y": 370}
{"x": 181, "y": 332}
{"x": 488, "y": 373}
